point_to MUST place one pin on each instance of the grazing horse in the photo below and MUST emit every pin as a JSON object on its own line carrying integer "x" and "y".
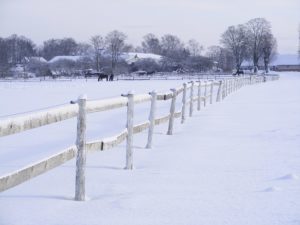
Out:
{"x": 102, "y": 75}
{"x": 111, "y": 77}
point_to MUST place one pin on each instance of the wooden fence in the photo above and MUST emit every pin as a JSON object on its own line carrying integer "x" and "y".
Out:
{"x": 82, "y": 107}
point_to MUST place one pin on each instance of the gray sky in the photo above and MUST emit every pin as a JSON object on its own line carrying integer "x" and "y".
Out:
{"x": 203, "y": 20}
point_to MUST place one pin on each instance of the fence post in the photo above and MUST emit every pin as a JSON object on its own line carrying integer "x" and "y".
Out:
{"x": 205, "y": 93}
{"x": 183, "y": 103}
{"x": 192, "y": 99}
{"x": 223, "y": 89}
{"x": 211, "y": 91}
{"x": 219, "y": 92}
{"x": 129, "y": 126}
{"x": 172, "y": 112}
{"x": 151, "y": 118}
{"x": 81, "y": 152}
{"x": 199, "y": 96}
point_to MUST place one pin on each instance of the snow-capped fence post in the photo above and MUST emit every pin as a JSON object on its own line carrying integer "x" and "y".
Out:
{"x": 199, "y": 96}
{"x": 219, "y": 92}
{"x": 205, "y": 93}
{"x": 172, "y": 112}
{"x": 183, "y": 103}
{"x": 129, "y": 126}
{"x": 191, "y": 99}
{"x": 211, "y": 92}
{"x": 81, "y": 152}
{"x": 151, "y": 118}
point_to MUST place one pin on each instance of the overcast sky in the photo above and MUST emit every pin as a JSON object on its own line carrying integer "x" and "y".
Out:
{"x": 203, "y": 20}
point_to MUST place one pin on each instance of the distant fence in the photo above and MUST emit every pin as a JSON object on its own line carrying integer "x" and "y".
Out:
{"x": 131, "y": 76}
{"x": 199, "y": 91}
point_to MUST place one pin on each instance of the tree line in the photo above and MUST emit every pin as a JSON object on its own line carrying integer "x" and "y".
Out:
{"x": 252, "y": 41}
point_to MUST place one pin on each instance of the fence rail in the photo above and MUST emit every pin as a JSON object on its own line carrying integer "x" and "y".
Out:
{"x": 81, "y": 107}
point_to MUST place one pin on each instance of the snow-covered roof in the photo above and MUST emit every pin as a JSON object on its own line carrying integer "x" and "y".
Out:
{"x": 66, "y": 57}
{"x": 130, "y": 57}
{"x": 36, "y": 59}
{"x": 280, "y": 59}
{"x": 286, "y": 59}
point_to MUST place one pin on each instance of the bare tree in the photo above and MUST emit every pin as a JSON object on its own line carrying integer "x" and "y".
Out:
{"x": 4, "y": 65}
{"x": 174, "y": 52}
{"x": 98, "y": 46}
{"x": 221, "y": 56}
{"x": 269, "y": 49}
{"x": 19, "y": 47}
{"x": 84, "y": 49}
{"x": 256, "y": 30}
{"x": 194, "y": 47}
{"x": 115, "y": 42}
{"x": 59, "y": 47}
{"x": 171, "y": 44}
{"x": 235, "y": 40}
{"x": 151, "y": 44}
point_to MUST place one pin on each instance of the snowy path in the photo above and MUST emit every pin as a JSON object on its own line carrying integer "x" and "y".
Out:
{"x": 237, "y": 162}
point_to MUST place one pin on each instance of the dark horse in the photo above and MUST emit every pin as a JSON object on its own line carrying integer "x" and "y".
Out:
{"x": 98, "y": 74}
{"x": 102, "y": 75}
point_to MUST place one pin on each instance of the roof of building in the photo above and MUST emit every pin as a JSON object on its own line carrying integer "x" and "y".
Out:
{"x": 131, "y": 57}
{"x": 65, "y": 57}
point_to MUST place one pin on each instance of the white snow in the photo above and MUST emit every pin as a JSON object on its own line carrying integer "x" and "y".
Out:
{"x": 234, "y": 162}
{"x": 65, "y": 57}
{"x": 135, "y": 56}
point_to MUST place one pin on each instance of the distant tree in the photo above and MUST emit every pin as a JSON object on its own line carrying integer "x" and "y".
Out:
{"x": 128, "y": 48}
{"x": 64, "y": 67}
{"x": 269, "y": 49}
{"x": 171, "y": 44}
{"x": 221, "y": 57}
{"x": 151, "y": 44}
{"x": 194, "y": 47}
{"x": 84, "y": 49}
{"x": 138, "y": 49}
{"x": 4, "y": 65}
{"x": 174, "y": 52}
{"x": 37, "y": 67}
{"x": 235, "y": 40}
{"x": 19, "y": 47}
{"x": 149, "y": 65}
{"x": 257, "y": 29}
{"x": 198, "y": 63}
{"x": 98, "y": 44}
{"x": 58, "y": 47}
{"x": 115, "y": 42}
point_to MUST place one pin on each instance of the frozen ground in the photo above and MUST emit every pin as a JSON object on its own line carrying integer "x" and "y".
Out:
{"x": 236, "y": 162}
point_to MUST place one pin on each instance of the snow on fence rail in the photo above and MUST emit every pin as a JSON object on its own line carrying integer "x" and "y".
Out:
{"x": 82, "y": 107}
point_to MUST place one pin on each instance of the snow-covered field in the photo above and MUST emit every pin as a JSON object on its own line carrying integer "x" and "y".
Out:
{"x": 235, "y": 162}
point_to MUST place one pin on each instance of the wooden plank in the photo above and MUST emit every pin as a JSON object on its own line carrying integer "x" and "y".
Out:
{"x": 162, "y": 119}
{"x": 25, "y": 122}
{"x": 15, "y": 178}
{"x": 141, "y": 127}
{"x": 111, "y": 142}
